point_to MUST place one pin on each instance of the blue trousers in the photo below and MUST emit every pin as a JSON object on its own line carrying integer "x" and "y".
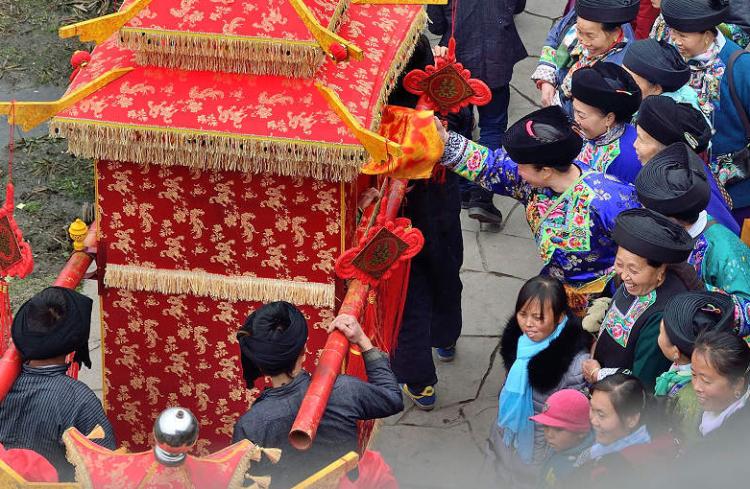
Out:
{"x": 493, "y": 121}
{"x": 432, "y": 312}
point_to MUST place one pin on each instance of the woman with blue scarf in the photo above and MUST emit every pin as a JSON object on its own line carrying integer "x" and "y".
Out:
{"x": 624, "y": 449}
{"x": 543, "y": 348}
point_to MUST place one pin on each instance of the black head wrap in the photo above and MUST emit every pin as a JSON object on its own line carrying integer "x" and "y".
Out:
{"x": 688, "y": 314}
{"x": 608, "y": 11}
{"x": 54, "y": 322}
{"x": 694, "y": 15}
{"x": 271, "y": 340}
{"x": 670, "y": 122}
{"x": 674, "y": 182}
{"x": 653, "y": 236}
{"x": 607, "y": 87}
{"x": 544, "y": 137}
{"x": 658, "y": 62}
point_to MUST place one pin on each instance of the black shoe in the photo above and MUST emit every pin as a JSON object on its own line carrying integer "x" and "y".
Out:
{"x": 486, "y": 214}
{"x": 481, "y": 207}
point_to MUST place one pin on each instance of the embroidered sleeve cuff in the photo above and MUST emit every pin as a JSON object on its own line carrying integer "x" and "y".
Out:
{"x": 548, "y": 55}
{"x": 603, "y": 373}
{"x": 455, "y": 147}
{"x": 545, "y": 73}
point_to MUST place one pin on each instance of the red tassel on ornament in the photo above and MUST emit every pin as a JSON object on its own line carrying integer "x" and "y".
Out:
{"x": 339, "y": 52}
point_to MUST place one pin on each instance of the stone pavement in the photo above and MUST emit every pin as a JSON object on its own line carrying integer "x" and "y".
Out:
{"x": 443, "y": 448}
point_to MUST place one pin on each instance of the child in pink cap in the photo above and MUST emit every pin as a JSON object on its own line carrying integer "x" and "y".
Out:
{"x": 568, "y": 433}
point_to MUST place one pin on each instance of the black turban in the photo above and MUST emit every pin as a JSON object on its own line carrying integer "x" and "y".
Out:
{"x": 670, "y": 122}
{"x": 674, "y": 182}
{"x": 607, "y": 87}
{"x": 608, "y": 11}
{"x": 271, "y": 340}
{"x": 694, "y": 15}
{"x": 658, "y": 62}
{"x": 688, "y": 314}
{"x": 653, "y": 236}
{"x": 54, "y": 322}
{"x": 544, "y": 137}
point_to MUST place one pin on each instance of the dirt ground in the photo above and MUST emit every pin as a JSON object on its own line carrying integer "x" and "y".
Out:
{"x": 52, "y": 187}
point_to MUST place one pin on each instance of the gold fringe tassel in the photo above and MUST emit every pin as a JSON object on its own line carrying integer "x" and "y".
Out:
{"x": 397, "y": 66}
{"x": 240, "y": 471}
{"x": 273, "y": 454}
{"x": 75, "y": 458}
{"x": 233, "y": 54}
{"x": 210, "y": 151}
{"x": 262, "y": 482}
{"x": 225, "y": 287}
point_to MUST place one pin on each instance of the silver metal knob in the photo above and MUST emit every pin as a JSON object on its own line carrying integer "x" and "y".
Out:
{"x": 175, "y": 434}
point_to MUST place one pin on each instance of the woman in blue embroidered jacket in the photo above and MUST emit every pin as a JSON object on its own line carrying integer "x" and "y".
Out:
{"x": 650, "y": 262}
{"x": 570, "y": 209}
{"x": 663, "y": 122}
{"x": 694, "y": 32}
{"x": 674, "y": 183}
{"x": 596, "y": 30}
{"x": 605, "y": 97}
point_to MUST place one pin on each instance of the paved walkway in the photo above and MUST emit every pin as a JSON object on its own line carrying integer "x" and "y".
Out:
{"x": 443, "y": 448}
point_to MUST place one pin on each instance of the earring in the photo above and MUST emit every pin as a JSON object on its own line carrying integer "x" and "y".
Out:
{"x": 676, "y": 357}
{"x": 737, "y": 395}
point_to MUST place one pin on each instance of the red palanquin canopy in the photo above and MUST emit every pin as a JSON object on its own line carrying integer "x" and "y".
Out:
{"x": 245, "y": 122}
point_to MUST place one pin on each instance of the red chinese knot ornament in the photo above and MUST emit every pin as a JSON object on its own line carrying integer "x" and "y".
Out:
{"x": 382, "y": 250}
{"x": 446, "y": 87}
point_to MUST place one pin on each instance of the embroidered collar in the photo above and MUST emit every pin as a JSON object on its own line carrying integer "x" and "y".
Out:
{"x": 619, "y": 325}
{"x": 698, "y": 226}
{"x": 615, "y": 132}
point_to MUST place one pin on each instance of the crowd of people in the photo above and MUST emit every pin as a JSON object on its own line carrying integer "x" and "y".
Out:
{"x": 627, "y": 361}
{"x": 626, "y": 358}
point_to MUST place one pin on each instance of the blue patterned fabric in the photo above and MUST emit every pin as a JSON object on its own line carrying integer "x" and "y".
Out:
{"x": 723, "y": 263}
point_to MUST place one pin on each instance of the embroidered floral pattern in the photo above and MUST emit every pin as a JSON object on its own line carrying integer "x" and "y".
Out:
{"x": 567, "y": 227}
{"x": 724, "y": 169}
{"x": 698, "y": 254}
{"x": 599, "y": 157}
{"x": 619, "y": 325}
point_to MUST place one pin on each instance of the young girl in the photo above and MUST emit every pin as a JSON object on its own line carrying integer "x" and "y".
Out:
{"x": 543, "y": 347}
{"x": 721, "y": 363}
{"x": 624, "y": 448}
{"x": 685, "y": 317}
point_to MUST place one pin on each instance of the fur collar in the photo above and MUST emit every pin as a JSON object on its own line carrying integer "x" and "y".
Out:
{"x": 548, "y": 367}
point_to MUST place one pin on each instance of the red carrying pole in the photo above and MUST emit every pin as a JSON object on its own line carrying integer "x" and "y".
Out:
{"x": 70, "y": 276}
{"x": 332, "y": 356}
